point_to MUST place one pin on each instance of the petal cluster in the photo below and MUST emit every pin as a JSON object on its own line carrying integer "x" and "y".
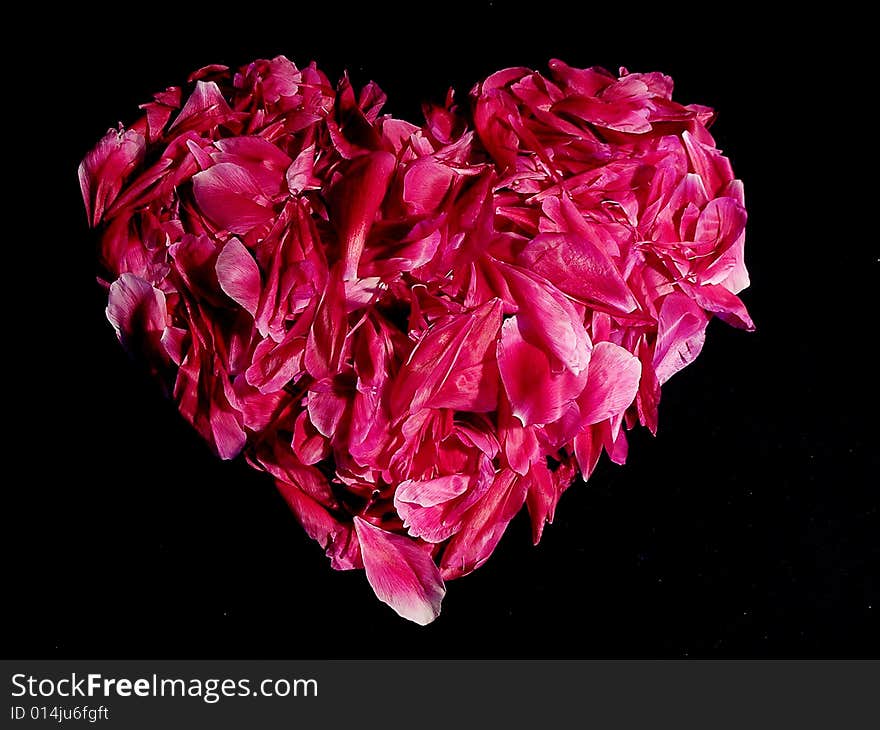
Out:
{"x": 417, "y": 331}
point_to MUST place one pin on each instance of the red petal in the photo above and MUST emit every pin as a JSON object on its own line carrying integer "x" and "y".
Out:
{"x": 105, "y": 168}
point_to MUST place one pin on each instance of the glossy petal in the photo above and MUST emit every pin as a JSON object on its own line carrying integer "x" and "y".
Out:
{"x": 104, "y": 170}
{"x": 536, "y": 393}
{"x": 239, "y": 275}
{"x": 452, "y": 365}
{"x": 612, "y": 383}
{"x": 680, "y": 335}
{"x": 231, "y": 198}
{"x": 401, "y": 572}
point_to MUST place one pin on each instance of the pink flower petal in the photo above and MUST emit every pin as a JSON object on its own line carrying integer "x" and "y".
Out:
{"x": 103, "y": 170}
{"x": 612, "y": 383}
{"x": 580, "y": 268}
{"x": 355, "y": 200}
{"x": 484, "y": 526}
{"x": 231, "y": 198}
{"x": 401, "y": 572}
{"x": 239, "y": 275}
{"x": 680, "y": 335}
{"x": 536, "y": 393}
{"x": 547, "y": 319}
{"x": 452, "y": 365}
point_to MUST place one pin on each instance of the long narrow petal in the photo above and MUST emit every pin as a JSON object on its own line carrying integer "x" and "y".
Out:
{"x": 356, "y": 198}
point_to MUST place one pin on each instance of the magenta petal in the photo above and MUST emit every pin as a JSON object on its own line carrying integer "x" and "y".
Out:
{"x": 139, "y": 314}
{"x": 578, "y": 267}
{"x": 299, "y": 174}
{"x": 548, "y": 319}
{"x": 728, "y": 306}
{"x": 336, "y": 538}
{"x": 263, "y": 160}
{"x": 135, "y": 306}
{"x": 545, "y": 489}
{"x": 229, "y": 437}
{"x": 680, "y": 335}
{"x": 231, "y": 198}
{"x": 239, "y": 275}
{"x": 612, "y": 383}
{"x": 356, "y": 198}
{"x": 401, "y": 572}
{"x": 452, "y": 365}
{"x": 104, "y": 169}
{"x": 427, "y": 507}
{"x": 204, "y": 109}
{"x": 536, "y": 393}
{"x": 326, "y": 336}
{"x": 326, "y": 410}
{"x": 484, "y": 525}
{"x": 425, "y": 184}
{"x": 274, "y": 365}
{"x": 308, "y": 444}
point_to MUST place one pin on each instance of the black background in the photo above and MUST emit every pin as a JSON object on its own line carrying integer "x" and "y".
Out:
{"x": 748, "y": 527}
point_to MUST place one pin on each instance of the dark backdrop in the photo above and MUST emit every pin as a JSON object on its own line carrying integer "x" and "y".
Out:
{"x": 748, "y": 527}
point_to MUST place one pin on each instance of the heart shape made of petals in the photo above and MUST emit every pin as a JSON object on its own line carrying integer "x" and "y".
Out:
{"x": 417, "y": 330}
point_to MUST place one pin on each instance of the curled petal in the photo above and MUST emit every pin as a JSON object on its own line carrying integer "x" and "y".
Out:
{"x": 104, "y": 170}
